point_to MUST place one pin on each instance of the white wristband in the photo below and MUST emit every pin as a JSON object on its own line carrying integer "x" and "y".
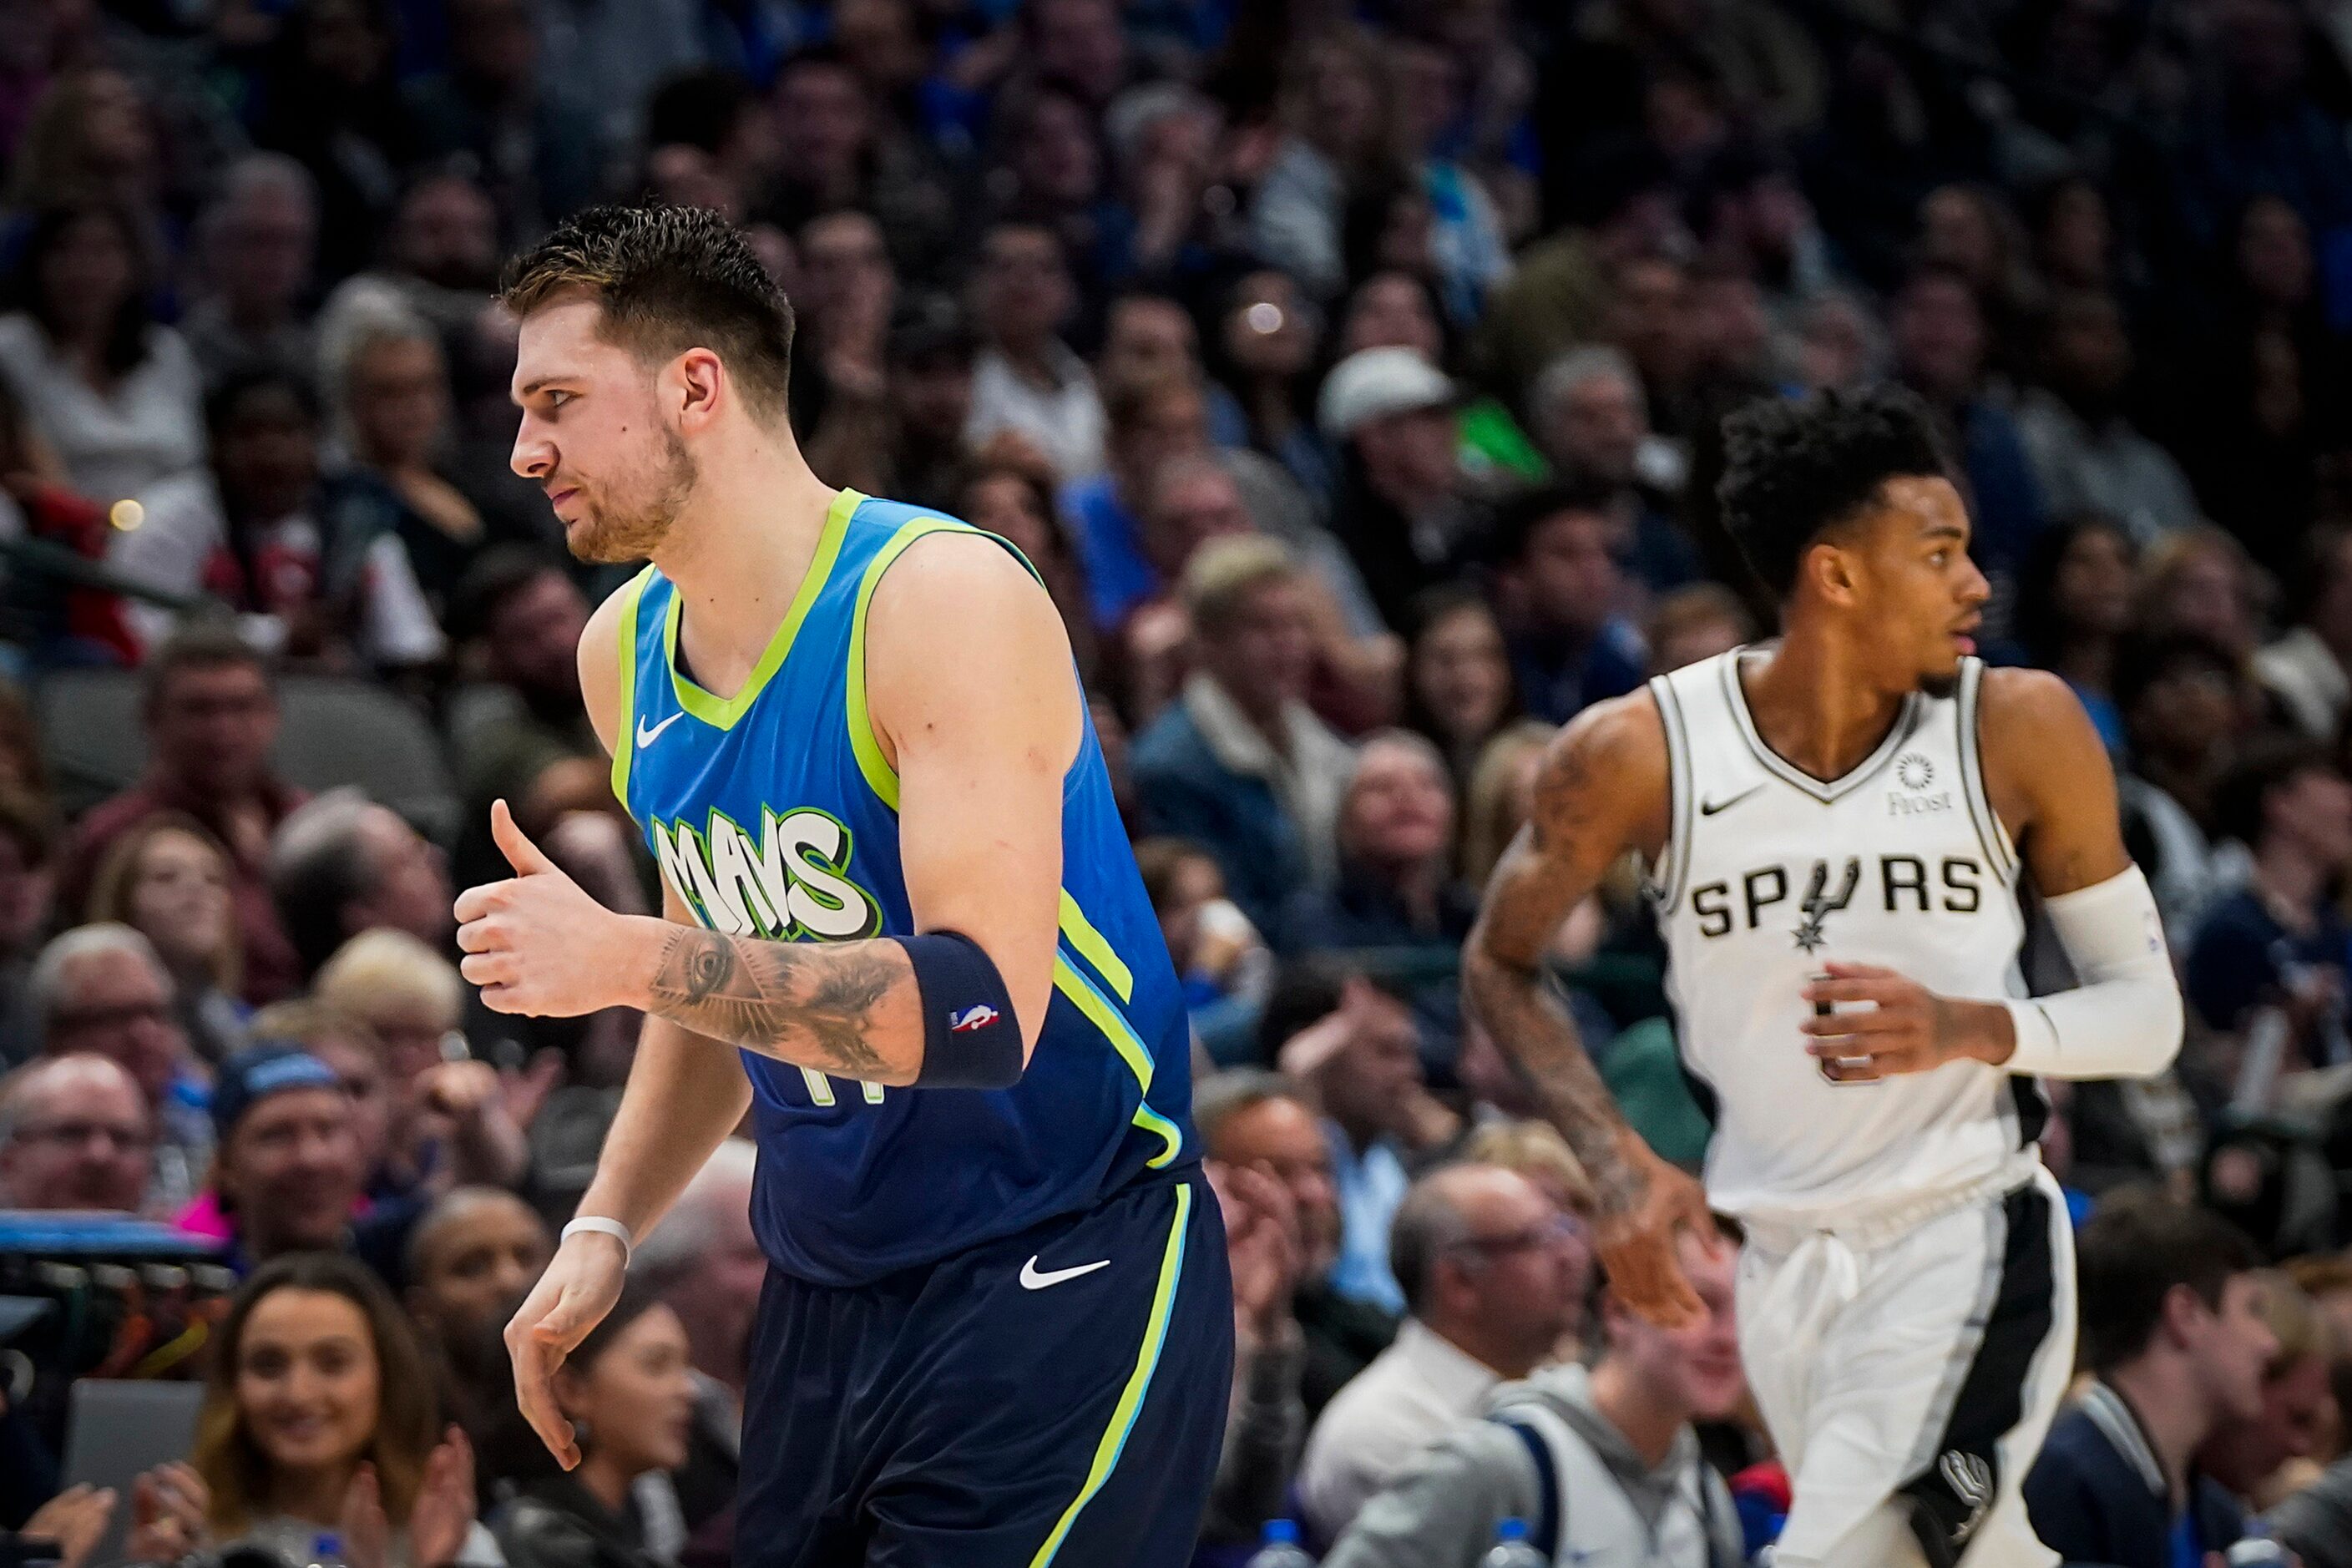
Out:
{"x": 603, "y": 1227}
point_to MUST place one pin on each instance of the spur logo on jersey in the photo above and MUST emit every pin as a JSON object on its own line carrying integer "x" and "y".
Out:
{"x": 1902, "y": 884}
{"x": 792, "y": 884}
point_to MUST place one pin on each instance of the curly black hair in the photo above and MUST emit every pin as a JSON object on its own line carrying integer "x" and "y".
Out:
{"x": 1794, "y": 468}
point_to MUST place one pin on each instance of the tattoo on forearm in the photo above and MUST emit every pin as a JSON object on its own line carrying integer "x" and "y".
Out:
{"x": 1517, "y": 1001}
{"x": 813, "y": 1005}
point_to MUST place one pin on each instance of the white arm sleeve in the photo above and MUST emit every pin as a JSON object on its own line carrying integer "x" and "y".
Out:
{"x": 2123, "y": 1019}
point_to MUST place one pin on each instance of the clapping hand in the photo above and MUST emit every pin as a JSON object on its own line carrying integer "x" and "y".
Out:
{"x": 168, "y": 1505}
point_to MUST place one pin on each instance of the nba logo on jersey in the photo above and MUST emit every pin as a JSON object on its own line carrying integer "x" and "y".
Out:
{"x": 979, "y": 1016}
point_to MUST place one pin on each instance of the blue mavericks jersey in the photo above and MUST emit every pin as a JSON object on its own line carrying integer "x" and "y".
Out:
{"x": 774, "y": 814}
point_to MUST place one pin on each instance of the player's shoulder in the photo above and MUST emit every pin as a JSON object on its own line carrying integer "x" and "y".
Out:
{"x": 951, "y": 581}
{"x": 600, "y": 657}
{"x": 1614, "y": 750}
{"x": 2021, "y": 711}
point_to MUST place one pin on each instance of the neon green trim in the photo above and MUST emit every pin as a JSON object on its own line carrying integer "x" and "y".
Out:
{"x": 1095, "y": 949}
{"x": 881, "y": 776}
{"x": 624, "y": 741}
{"x": 1100, "y": 1010}
{"x": 1130, "y": 1398}
{"x": 720, "y": 712}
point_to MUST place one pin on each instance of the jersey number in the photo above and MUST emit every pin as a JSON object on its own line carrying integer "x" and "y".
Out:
{"x": 820, "y": 1088}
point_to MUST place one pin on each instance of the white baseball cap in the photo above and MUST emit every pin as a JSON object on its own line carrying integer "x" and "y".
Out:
{"x": 1374, "y": 384}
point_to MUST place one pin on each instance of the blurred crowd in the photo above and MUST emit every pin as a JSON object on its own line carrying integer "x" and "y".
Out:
{"x": 1352, "y": 375}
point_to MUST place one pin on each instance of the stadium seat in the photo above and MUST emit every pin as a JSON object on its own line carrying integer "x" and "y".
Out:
{"x": 336, "y": 732}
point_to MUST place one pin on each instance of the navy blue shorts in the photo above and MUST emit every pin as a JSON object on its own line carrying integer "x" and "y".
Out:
{"x": 1058, "y": 1396}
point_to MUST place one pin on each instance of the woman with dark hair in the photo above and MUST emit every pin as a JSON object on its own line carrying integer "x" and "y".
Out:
{"x": 628, "y": 1391}
{"x": 2074, "y": 601}
{"x": 1264, "y": 351}
{"x": 116, "y": 395}
{"x": 1458, "y": 691}
{"x": 317, "y": 1421}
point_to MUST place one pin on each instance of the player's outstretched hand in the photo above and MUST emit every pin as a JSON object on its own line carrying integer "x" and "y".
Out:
{"x": 580, "y": 1286}
{"x": 1636, "y": 1243}
{"x": 536, "y": 943}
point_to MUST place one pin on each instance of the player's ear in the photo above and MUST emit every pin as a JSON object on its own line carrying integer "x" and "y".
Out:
{"x": 697, "y": 379}
{"x": 1830, "y": 568}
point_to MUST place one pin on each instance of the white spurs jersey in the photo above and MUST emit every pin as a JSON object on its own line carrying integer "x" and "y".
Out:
{"x": 1768, "y": 873}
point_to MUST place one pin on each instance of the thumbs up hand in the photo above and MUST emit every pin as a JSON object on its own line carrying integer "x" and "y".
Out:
{"x": 536, "y": 943}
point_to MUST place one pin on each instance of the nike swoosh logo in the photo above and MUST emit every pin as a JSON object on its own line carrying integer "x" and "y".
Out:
{"x": 1033, "y": 1280}
{"x": 647, "y": 737}
{"x": 1709, "y": 808}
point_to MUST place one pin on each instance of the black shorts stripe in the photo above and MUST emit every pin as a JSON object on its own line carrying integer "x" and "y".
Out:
{"x": 1951, "y": 1494}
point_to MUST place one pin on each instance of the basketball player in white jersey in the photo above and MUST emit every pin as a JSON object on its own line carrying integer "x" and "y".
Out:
{"x": 1838, "y": 826}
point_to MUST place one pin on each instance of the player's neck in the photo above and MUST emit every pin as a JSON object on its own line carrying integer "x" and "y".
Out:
{"x": 739, "y": 548}
{"x": 1815, "y": 707}
{"x": 1646, "y": 1417}
{"x": 2173, "y": 1413}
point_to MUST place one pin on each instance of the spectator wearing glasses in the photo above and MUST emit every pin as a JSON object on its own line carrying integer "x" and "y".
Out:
{"x": 451, "y": 1120}
{"x": 99, "y": 990}
{"x": 75, "y": 1133}
{"x": 168, "y": 880}
{"x": 1490, "y": 1286}
{"x": 211, "y": 717}
{"x": 1623, "y": 1478}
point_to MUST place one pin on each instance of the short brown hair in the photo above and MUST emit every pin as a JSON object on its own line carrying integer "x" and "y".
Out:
{"x": 669, "y": 278}
{"x": 205, "y": 642}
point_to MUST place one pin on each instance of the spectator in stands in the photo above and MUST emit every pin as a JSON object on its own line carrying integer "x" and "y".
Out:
{"x": 704, "y": 1263}
{"x": 75, "y": 1133}
{"x": 628, "y": 1391}
{"x": 27, "y": 857}
{"x": 343, "y": 865}
{"x": 1267, "y": 1426}
{"x": 440, "y": 261}
{"x": 1458, "y": 688}
{"x": 2073, "y": 609}
{"x": 1940, "y": 336}
{"x": 356, "y": 1057}
{"x": 1261, "y": 1122}
{"x": 2087, "y": 455}
{"x": 2268, "y": 962}
{"x": 541, "y": 150}
{"x": 1490, "y": 1290}
{"x": 1695, "y": 623}
{"x": 2308, "y": 671}
{"x": 211, "y": 716}
{"x": 390, "y": 509}
{"x": 1334, "y": 106}
{"x": 168, "y": 880}
{"x": 256, "y": 243}
{"x": 449, "y": 1116}
{"x": 2183, "y": 700}
{"x": 1495, "y": 804}
{"x": 1407, "y": 519}
{"x": 90, "y": 137}
{"x": 115, "y": 394}
{"x": 287, "y": 1177}
{"x": 100, "y": 990}
{"x": 1239, "y": 763}
{"x": 2268, "y": 1456}
{"x": 1025, "y": 379}
{"x": 1355, "y": 1046}
{"x": 930, "y": 352}
{"x": 522, "y": 614}
{"x": 328, "y": 97}
{"x": 1396, "y": 887}
{"x": 318, "y": 1418}
{"x": 1149, "y": 423}
{"x": 471, "y": 1257}
{"x": 2174, "y": 1339}
{"x": 1571, "y": 646}
{"x": 1623, "y": 1476}
{"x": 838, "y": 149}
{"x": 1593, "y": 423}
{"x": 1266, "y": 343}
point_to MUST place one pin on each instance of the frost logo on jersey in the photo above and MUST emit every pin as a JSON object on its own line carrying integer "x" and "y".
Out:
{"x": 1820, "y": 905}
{"x": 979, "y": 1016}
{"x": 791, "y": 885}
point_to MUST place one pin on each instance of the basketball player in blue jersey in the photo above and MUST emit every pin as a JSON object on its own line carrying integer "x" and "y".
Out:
{"x": 997, "y": 1326}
